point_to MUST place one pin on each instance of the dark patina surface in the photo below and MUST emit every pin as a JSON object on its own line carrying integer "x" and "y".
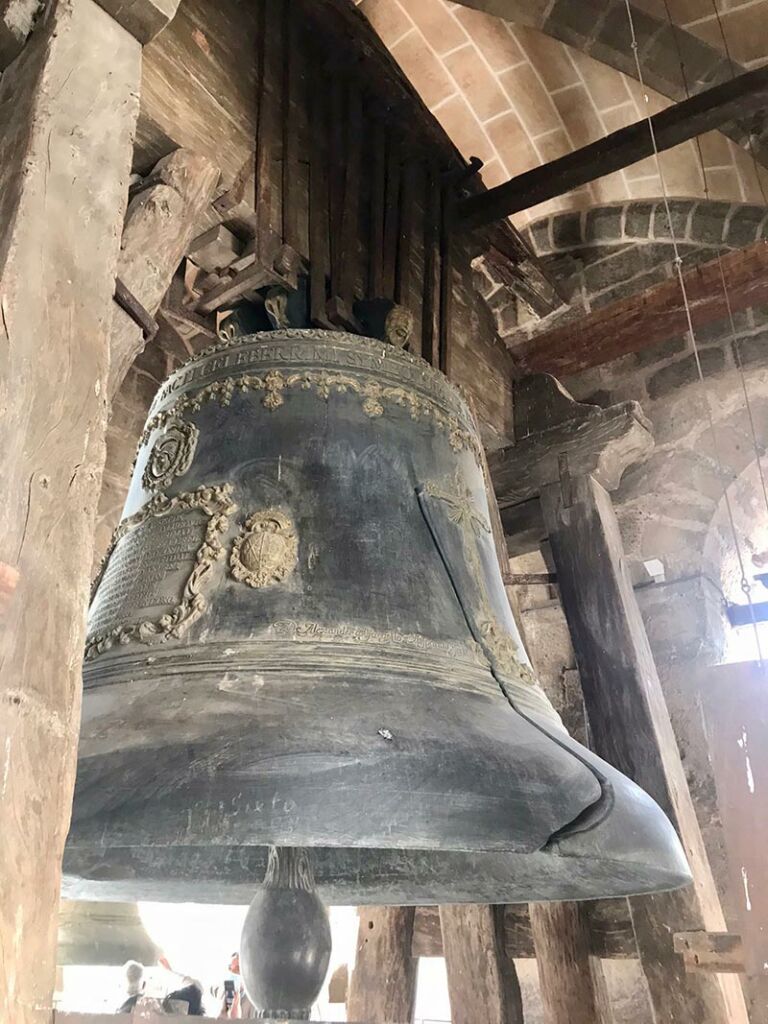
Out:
{"x": 300, "y": 637}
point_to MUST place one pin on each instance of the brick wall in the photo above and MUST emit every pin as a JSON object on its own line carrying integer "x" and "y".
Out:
{"x": 517, "y": 97}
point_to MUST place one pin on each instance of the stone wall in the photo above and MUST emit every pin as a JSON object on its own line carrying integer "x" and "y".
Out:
{"x": 671, "y": 507}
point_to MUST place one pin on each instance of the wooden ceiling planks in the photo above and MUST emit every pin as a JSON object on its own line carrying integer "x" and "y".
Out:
{"x": 198, "y": 87}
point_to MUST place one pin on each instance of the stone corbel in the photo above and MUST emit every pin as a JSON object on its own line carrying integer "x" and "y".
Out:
{"x": 557, "y": 438}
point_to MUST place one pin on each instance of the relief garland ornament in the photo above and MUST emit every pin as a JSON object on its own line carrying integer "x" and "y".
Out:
{"x": 217, "y": 504}
{"x": 323, "y": 383}
{"x": 171, "y": 454}
{"x": 462, "y": 508}
{"x": 266, "y": 550}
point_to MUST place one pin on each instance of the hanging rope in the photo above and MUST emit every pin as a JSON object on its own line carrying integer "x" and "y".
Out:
{"x": 678, "y": 264}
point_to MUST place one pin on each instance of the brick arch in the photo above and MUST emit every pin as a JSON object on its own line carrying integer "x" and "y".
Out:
{"x": 614, "y": 251}
{"x": 600, "y": 29}
{"x": 701, "y": 223}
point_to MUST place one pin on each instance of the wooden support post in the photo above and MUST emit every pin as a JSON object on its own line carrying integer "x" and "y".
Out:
{"x": 569, "y": 453}
{"x": 383, "y": 984}
{"x": 571, "y": 980}
{"x": 630, "y": 727}
{"x": 160, "y": 223}
{"x": 482, "y": 982}
{"x": 68, "y": 108}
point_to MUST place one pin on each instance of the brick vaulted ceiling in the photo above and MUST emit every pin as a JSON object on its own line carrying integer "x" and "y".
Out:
{"x": 517, "y": 95}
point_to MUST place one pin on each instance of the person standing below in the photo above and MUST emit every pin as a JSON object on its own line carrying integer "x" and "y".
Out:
{"x": 235, "y": 1004}
{"x": 134, "y": 985}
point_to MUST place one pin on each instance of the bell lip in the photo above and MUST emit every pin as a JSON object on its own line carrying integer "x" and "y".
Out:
{"x": 347, "y": 877}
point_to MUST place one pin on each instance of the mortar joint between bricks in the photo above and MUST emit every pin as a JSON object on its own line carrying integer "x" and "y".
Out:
{"x": 727, "y": 221}
{"x": 689, "y": 222}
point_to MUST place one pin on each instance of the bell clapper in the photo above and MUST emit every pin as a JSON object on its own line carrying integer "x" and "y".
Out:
{"x": 286, "y": 939}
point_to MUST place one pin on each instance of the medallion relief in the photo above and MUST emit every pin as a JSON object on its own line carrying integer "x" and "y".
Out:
{"x": 171, "y": 455}
{"x": 267, "y": 549}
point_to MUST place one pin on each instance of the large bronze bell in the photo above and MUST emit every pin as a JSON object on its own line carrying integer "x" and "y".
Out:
{"x": 300, "y": 638}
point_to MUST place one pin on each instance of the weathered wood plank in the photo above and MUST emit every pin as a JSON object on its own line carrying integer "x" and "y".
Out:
{"x": 68, "y": 107}
{"x": 571, "y": 980}
{"x": 190, "y": 95}
{"x": 344, "y": 275}
{"x": 718, "y": 952}
{"x": 383, "y": 983}
{"x": 707, "y": 110}
{"x": 521, "y": 270}
{"x": 610, "y": 931}
{"x": 630, "y": 727}
{"x": 319, "y": 232}
{"x": 378, "y": 189}
{"x": 430, "y": 315}
{"x": 268, "y": 205}
{"x": 404, "y": 271}
{"x": 482, "y": 981}
{"x": 159, "y": 226}
{"x": 391, "y": 216}
{"x": 293, "y": 100}
{"x": 650, "y": 317}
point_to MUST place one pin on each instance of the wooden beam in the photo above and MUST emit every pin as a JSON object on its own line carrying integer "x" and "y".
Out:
{"x": 521, "y": 271}
{"x": 383, "y": 983}
{"x": 650, "y": 317}
{"x": 716, "y": 952}
{"x": 630, "y": 727}
{"x": 482, "y": 981}
{"x": 738, "y": 97}
{"x": 430, "y": 313}
{"x": 159, "y": 226}
{"x": 610, "y": 931}
{"x": 571, "y": 981}
{"x": 68, "y": 111}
